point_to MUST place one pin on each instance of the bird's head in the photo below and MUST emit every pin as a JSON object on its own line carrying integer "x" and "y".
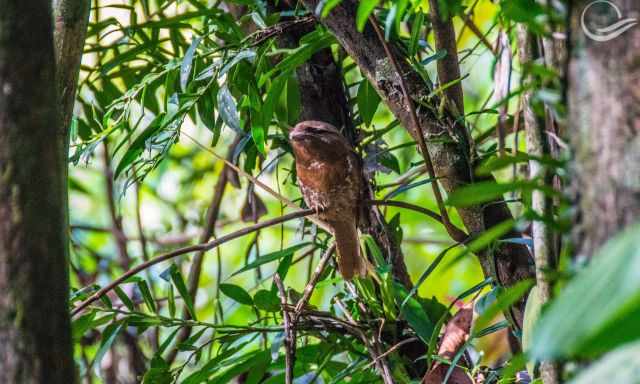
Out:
{"x": 317, "y": 139}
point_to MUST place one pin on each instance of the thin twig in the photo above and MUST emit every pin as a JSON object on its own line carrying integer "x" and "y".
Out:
{"x": 468, "y": 22}
{"x": 418, "y": 127}
{"x": 289, "y": 331}
{"x": 182, "y": 251}
{"x": 308, "y": 290}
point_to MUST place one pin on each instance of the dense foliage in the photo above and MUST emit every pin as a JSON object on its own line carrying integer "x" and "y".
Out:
{"x": 180, "y": 137}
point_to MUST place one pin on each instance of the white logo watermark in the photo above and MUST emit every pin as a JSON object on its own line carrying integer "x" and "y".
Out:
{"x": 609, "y": 32}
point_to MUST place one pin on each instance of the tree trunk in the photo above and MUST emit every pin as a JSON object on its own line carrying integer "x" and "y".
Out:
{"x": 35, "y": 338}
{"x": 604, "y": 103}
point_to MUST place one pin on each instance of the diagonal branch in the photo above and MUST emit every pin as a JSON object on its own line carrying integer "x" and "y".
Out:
{"x": 418, "y": 127}
{"x": 182, "y": 251}
{"x": 308, "y": 290}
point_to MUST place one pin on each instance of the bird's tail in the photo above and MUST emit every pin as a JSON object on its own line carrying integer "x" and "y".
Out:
{"x": 350, "y": 262}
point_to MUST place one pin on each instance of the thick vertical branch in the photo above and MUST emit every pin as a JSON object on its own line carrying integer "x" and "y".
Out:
{"x": 33, "y": 237}
{"x": 450, "y": 156}
{"x": 448, "y": 66}
{"x": 71, "y": 19}
{"x": 538, "y": 145}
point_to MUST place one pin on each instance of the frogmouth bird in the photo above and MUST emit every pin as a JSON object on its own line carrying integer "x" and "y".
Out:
{"x": 330, "y": 180}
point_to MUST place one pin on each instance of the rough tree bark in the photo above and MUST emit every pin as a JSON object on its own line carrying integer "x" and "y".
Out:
{"x": 35, "y": 337}
{"x": 604, "y": 124}
{"x": 509, "y": 263}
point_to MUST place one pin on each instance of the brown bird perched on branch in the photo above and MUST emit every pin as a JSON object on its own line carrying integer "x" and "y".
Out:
{"x": 329, "y": 176}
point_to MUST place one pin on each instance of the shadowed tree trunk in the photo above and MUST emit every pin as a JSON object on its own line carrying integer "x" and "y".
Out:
{"x": 35, "y": 337}
{"x": 604, "y": 102}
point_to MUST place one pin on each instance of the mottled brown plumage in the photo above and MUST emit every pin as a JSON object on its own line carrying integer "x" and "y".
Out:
{"x": 329, "y": 176}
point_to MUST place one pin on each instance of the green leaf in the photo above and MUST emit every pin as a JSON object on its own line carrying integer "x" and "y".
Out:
{"x": 531, "y": 316}
{"x": 236, "y": 293}
{"x": 246, "y": 363}
{"x": 365, "y": 8}
{"x": 496, "y": 163}
{"x": 325, "y": 6}
{"x": 416, "y": 27}
{"x": 389, "y": 22}
{"x": 146, "y": 295}
{"x": 158, "y": 373}
{"x": 388, "y": 160}
{"x": 285, "y": 264}
{"x": 271, "y": 257}
{"x": 189, "y": 344}
{"x": 599, "y": 309}
{"x": 309, "y": 44}
{"x": 435, "y": 57}
{"x": 478, "y": 193}
{"x": 82, "y": 324}
{"x": 487, "y": 191}
{"x": 368, "y": 101}
{"x": 178, "y": 281}
{"x": 258, "y": 133}
{"x": 504, "y": 299}
{"x": 267, "y": 300}
{"x": 138, "y": 145}
{"x": 124, "y": 298}
{"x": 171, "y": 300}
{"x": 450, "y": 8}
{"x": 619, "y": 366}
{"x": 521, "y": 11}
{"x": 187, "y": 63}
{"x": 165, "y": 344}
{"x": 414, "y": 313}
{"x": 228, "y": 110}
{"x": 108, "y": 337}
{"x": 273, "y": 95}
{"x": 378, "y": 257}
{"x": 248, "y": 54}
{"x": 123, "y": 57}
{"x": 289, "y": 108}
